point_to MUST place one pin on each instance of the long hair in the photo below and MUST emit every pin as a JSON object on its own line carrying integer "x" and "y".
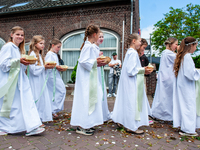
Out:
{"x": 170, "y": 41}
{"x": 185, "y": 47}
{"x": 22, "y": 44}
{"x": 91, "y": 29}
{"x": 143, "y": 42}
{"x": 36, "y": 39}
{"x": 54, "y": 41}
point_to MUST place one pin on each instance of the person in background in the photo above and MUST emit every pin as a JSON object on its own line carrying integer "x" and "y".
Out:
{"x": 114, "y": 74}
{"x": 143, "y": 58}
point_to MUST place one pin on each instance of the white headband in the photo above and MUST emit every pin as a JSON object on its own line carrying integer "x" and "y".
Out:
{"x": 191, "y": 43}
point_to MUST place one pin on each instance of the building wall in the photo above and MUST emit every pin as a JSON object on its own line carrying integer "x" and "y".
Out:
{"x": 65, "y": 20}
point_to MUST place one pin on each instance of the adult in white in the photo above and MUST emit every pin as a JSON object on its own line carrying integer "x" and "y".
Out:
{"x": 18, "y": 111}
{"x": 131, "y": 105}
{"x": 184, "y": 95}
{"x": 162, "y": 106}
{"x": 55, "y": 84}
{"x": 113, "y": 77}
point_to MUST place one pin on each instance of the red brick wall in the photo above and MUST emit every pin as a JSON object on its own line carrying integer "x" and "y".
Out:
{"x": 65, "y": 20}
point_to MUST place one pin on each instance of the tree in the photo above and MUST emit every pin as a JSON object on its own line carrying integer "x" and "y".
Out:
{"x": 178, "y": 23}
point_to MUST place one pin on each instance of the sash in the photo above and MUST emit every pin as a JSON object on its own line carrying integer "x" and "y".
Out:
{"x": 54, "y": 83}
{"x": 93, "y": 85}
{"x": 140, "y": 92}
{"x": 8, "y": 90}
{"x": 197, "y": 88}
{"x": 102, "y": 80}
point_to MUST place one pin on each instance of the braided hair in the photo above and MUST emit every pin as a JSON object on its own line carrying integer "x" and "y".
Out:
{"x": 91, "y": 29}
{"x": 170, "y": 41}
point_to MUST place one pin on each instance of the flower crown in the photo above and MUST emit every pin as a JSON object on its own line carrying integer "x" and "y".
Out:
{"x": 191, "y": 43}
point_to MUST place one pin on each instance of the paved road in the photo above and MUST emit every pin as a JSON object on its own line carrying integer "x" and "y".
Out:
{"x": 60, "y": 135}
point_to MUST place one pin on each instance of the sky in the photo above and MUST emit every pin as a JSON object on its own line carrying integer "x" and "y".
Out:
{"x": 151, "y": 11}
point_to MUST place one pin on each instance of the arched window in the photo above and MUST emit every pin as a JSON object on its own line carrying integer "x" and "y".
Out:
{"x": 70, "y": 50}
{"x": 2, "y": 42}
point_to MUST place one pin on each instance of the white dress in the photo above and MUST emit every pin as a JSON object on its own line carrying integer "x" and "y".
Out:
{"x": 24, "y": 115}
{"x": 60, "y": 92}
{"x": 184, "y": 97}
{"x": 106, "y": 112}
{"x": 37, "y": 76}
{"x": 125, "y": 104}
{"x": 162, "y": 107}
{"x": 80, "y": 115}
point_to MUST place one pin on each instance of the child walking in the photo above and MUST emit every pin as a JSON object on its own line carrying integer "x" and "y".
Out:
{"x": 131, "y": 105}
{"x": 18, "y": 111}
{"x": 55, "y": 84}
{"x": 87, "y": 104}
{"x": 106, "y": 112}
{"x": 184, "y": 95}
{"x": 162, "y": 107}
{"x": 37, "y": 78}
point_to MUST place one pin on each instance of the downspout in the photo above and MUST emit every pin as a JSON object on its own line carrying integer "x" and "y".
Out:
{"x": 131, "y": 30}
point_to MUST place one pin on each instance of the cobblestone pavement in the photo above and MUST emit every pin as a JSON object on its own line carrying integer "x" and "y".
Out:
{"x": 60, "y": 135}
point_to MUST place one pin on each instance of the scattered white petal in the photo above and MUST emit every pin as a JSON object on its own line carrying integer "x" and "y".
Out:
{"x": 69, "y": 133}
{"x": 97, "y": 143}
{"x": 148, "y": 138}
{"x": 157, "y": 135}
{"x": 113, "y": 142}
{"x": 95, "y": 136}
{"x": 112, "y": 136}
{"x": 136, "y": 145}
{"x": 105, "y": 142}
{"x": 127, "y": 136}
{"x": 146, "y": 130}
{"x": 78, "y": 137}
{"x": 58, "y": 132}
{"x": 99, "y": 127}
{"x": 189, "y": 141}
{"x": 113, "y": 130}
{"x": 10, "y": 147}
{"x": 124, "y": 140}
{"x": 179, "y": 138}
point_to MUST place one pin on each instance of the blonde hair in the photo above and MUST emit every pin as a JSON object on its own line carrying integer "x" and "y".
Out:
{"x": 36, "y": 39}
{"x": 54, "y": 41}
{"x": 185, "y": 47}
{"x": 91, "y": 29}
{"x": 22, "y": 44}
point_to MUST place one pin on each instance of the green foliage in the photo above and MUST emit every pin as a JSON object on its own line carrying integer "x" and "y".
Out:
{"x": 197, "y": 61}
{"x": 73, "y": 75}
{"x": 178, "y": 23}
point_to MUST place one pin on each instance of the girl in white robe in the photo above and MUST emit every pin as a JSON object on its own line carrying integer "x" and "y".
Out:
{"x": 87, "y": 103}
{"x": 106, "y": 112}
{"x": 162, "y": 106}
{"x": 184, "y": 95}
{"x": 55, "y": 84}
{"x": 21, "y": 113}
{"x": 126, "y": 111}
{"x": 37, "y": 77}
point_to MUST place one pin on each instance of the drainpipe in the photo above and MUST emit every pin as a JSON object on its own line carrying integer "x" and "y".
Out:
{"x": 131, "y": 30}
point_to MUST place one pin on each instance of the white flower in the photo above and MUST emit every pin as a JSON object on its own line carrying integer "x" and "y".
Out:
{"x": 136, "y": 145}
{"x": 113, "y": 142}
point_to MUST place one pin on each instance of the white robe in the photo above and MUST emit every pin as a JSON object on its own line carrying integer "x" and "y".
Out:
{"x": 24, "y": 115}
{"x": 106, "y": 112}
{"x": 60, "y": 93}
{"x": 125, "y": 104}
{"x": 80, "y": 116}
{"x": 162, "y": 107}
{"x": 184, "y": 97}
{"x": 37, "y": 76}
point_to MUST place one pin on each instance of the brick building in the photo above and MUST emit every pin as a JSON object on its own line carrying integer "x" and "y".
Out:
{"x": 67, "y": 20}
